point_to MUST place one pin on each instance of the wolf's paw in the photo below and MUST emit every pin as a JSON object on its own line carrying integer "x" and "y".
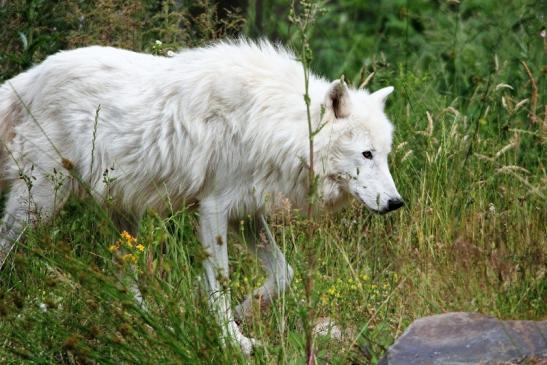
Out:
{"x": 247, "y": 344}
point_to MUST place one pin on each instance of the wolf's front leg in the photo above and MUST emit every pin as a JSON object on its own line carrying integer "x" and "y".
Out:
{"x": 213, "y": 226}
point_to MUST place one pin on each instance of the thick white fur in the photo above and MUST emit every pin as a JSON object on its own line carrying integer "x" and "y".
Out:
{"x": 223, "y": 127}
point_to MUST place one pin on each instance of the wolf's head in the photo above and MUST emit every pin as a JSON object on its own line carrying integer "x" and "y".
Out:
{"x": 361, "y": 134}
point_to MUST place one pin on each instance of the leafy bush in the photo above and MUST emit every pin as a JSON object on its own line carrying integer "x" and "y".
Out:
{"x": 36, "y": 28}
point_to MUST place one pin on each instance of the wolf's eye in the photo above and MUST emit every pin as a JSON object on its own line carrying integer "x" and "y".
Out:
{"x": 367, "y": 155}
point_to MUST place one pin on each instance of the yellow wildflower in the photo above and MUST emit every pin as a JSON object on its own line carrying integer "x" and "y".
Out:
{"x": 128, "y": 239}
{"x": 113, "y": 248}
{"x": 126, "y": 236}
{"x": 324, "y": 299}
{"x": 129, "y": 258}
{"x": 140, "y": 247}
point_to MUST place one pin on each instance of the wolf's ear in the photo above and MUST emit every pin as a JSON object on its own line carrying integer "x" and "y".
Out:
{"x": 337, "y": 99}
{"x": 382, "y": 94}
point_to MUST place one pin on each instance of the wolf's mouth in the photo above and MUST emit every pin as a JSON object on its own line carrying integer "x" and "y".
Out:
{"x": 374, "y": 210}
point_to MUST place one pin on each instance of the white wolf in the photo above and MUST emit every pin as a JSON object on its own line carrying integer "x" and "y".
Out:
{"x": 221, "y": 127}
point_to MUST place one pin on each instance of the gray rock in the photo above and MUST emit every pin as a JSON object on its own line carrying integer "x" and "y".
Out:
{"x": 469, "y": 338}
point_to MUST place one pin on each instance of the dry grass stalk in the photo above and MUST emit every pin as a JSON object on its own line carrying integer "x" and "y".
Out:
{"x": 534, "y": 96}
{"x": 367, "y": 80}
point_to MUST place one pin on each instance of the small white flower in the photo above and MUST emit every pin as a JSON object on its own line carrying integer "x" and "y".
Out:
{"x": 43, "y": 307}
{"x": 158, "y": 42}
{"x": 492, "y": 208}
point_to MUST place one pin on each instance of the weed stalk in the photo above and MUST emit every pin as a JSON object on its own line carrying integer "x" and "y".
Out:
{"x": 303, "y": 19}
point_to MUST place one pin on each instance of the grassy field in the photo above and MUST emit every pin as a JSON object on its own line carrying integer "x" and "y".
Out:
{"x": 468, "y": 158}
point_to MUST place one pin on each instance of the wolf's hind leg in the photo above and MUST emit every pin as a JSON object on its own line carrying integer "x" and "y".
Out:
{"x": 279, "y": 272}
{"x": 24, "y": 207}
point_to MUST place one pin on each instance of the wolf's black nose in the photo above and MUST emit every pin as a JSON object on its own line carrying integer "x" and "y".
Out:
{"x": 393, "y": 204}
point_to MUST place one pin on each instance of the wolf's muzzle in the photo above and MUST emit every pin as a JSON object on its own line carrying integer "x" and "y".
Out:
{"x": 394, "y": 204}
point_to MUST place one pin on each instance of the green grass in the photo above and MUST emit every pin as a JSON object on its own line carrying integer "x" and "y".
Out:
{"x": 468, "y": 158}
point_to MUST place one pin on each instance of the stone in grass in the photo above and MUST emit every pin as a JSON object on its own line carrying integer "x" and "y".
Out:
{"x": 469, "y": 338}
{"x": 326, "y": 327}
